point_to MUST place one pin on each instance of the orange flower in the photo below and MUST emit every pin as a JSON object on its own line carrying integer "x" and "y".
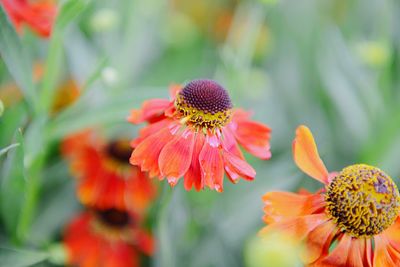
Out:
{"x": 357, "y": 208}
{"x": 105, "y": 177}
{"x": 107, "y": 238}
{"x": 39, "y": 15}
{"x": 195, "y": 135}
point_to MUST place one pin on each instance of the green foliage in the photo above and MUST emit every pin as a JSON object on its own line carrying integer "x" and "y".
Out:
{"x": 20, "y": 258}
{"x": 14, "y": 55}
{"x": 13, "y": 186}
{"x": 321, "y": 63}
{"x": 68, "y": 12}
{"x": 6, "y": 149}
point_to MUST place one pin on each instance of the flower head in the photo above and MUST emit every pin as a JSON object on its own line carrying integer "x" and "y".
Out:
{"x": 106, "y": 238}
{"x": 196, "y": 135}
{"x": 105, "y": 177}
{"x": 358, "y": 207}
{"x": 39, "y": 15}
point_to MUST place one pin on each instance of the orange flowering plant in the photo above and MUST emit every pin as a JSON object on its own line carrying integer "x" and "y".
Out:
{"x": 38, "y": 15}
{"x": 195, "y": 135}
{"x": 98, "y": 169}
{"x": 358, "y": 208}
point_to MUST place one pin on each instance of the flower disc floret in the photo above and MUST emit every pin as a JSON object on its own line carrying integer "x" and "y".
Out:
{"x": 204, "y": 104}
{"x": 362, "y": 200}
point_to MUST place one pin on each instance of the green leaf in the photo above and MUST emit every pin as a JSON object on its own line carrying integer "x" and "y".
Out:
{"x": 1, "y": 108}
{"x": 6, "y": 149}
{"x": 113, "y": 109}
{"x": 14, "y": 55}
{"x": 13, "y": 186}
{"x": 20, "y": 258}
{"x": 69, "y": 11}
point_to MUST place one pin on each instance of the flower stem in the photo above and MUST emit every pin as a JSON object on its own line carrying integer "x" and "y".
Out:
{"x": 165, "y": 254}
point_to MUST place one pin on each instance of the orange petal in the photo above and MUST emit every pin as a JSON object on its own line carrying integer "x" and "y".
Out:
{"x": 229, "y": 143}
{"x": 306, "y": 155}
{"x": 393, "y": 232}
{"x": 145, "y": 242}
{"x": 236, "y": 167}
{"x": 149, "y": 130}
{"x": 279, "y": 205}
{"x": 175, "y": 157}
{"x": 298, "y": 227}
{"x": 338, "y": 257}
{"x": 149, "y": 110}
{"x": 253, "y": 136}
{"x": 212, "y": 167}
{"x": 318, "y": 242}
{"x": 357, "y": 254}
{"x": 193, "y": 175}
{"x": 385, "y": 254}
{"x": 147, "y": 152}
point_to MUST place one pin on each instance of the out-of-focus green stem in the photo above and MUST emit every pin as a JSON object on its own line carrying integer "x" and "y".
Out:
{"x": 166, "y": 258}
{"x": 31, "y": 199}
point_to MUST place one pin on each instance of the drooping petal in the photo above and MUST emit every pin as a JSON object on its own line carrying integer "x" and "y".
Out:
{"x": 298, "y": 227}
{"x": 140, "y": 191}
{"x": 149, "y": 130}
{"x": 147, "y": 152}
{"x": 357, "y": 254}
{"x": 306, "y": 155}
{"x": 393, "y": 232}
{"x": 229, "y": 143}
{"x": 193, "y": 176}
{"x": 253, "y": 136}
{"x": 175, "y": 157}
{"x": 118, "y": 255}
{"x": 145, "y": 242}
{"x": 150, "y": 110}
{"x": 385, "y": 254}
{"x": 318, "y": 242}
{"x": 338, "y": 257}
{"x": 279, "y": 205}
{"x": 212, "y": 166}
{"x": 236, "y": 167}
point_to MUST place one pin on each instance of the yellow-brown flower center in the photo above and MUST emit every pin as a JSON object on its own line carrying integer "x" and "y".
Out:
{"x": 362, "y": 201}
{"x": 119, "y": 151}
{"x": 204, "y": 104}
{"x": 113, "y": 218}
{"x": 113, "y": 224}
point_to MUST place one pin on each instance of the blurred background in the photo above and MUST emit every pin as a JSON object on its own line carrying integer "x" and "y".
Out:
{"x": 333, "y": 65}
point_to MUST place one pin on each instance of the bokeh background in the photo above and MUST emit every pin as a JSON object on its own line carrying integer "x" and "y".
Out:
{"x": 333, "y": 65}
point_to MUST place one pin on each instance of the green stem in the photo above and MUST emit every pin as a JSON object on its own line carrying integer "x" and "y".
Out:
{"x": 31, "y": 198}
{"x": 165, "y": 257}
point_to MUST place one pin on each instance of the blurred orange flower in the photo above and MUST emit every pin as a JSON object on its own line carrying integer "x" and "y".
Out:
{"x": 105, "y": 177}
{"x": 195, "y": 135}
{"x": 358, "y": 208}
{"x": 39, "y": 15}
{"x": 107, "y": 238}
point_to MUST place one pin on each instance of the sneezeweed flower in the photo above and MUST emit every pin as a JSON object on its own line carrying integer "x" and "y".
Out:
{"x": 106, "y": 238}
{"x": 357, "y": 209}
{"x": 39, "y": 15}
{"x": 105, "y": 177}
{"x": 195, "y": 135}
